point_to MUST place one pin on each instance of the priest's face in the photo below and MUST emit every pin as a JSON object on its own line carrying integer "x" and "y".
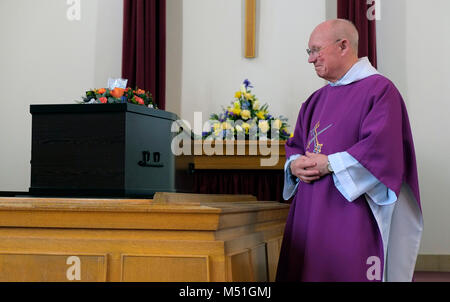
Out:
{"x": 325, "y": 55}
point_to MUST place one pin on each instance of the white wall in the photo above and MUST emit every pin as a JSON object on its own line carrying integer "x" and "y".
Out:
{"x": 211, "y": 61}
{"x": 414, "y": 43}
{"x": 45, "y": 59}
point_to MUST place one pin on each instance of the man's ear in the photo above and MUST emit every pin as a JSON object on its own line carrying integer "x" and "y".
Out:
{"x": 344, "y": 46}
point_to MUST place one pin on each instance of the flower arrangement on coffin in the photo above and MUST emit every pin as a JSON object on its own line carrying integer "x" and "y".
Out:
{"x": 119, "y": 95}
{"x": 246, "y": 118}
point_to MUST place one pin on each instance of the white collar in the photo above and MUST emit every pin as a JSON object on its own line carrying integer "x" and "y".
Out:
{"x": 360, "y": 70}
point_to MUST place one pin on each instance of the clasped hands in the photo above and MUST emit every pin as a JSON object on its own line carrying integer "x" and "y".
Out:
{"x": 310, "y": 167}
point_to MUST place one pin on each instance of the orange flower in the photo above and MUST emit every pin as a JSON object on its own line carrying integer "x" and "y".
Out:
{"x": 117, "y": 92}
{"x": 101, "y": 91}
{"x": 140, "y": 91}
{"x": 139, "y": 100}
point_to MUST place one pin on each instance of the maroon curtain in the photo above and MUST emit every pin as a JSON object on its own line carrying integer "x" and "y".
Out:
{"x": 356, "y": 11}
{"x": 266, "y": 185}
{"x": 144, "y": 47}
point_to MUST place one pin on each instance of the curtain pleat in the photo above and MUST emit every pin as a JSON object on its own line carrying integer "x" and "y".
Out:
{"x": 356, "y": 11}
{"x": 144, "y": 47}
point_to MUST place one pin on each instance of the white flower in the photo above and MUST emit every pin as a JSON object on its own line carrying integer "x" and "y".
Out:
{"x": 264, "y": 126}
{"x": 277, "y": 124}
{"x": 256, "y": 105}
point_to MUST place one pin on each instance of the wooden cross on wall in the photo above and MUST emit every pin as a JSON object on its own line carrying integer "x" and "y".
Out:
{"x": 250, "y": 28}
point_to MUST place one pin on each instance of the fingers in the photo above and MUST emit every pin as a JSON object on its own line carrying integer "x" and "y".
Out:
{"x": 309, "y": 173}
{"x": 308, "y": 176}
{"x": 308, "y": 165}
{"x": 303, "y": 163}
{"x": 309, "y": 180}
{"x": 300, "y": 172}
{"x": 306, "y": 168}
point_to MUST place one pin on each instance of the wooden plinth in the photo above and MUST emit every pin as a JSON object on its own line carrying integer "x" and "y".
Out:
{"x": 173, "y": 237}
{"x": 240, "y": 155}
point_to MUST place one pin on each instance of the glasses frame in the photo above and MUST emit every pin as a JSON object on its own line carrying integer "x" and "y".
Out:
{"x": 316, "y": 52}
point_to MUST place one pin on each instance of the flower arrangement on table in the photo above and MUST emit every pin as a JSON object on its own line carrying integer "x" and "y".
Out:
{"x": 119, "y": 95}
{"x": 246, "y": 118}
{"x": 116, "y": 94}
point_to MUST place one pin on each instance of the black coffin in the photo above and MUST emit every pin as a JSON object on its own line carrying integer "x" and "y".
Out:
{"x": 105, "y": 150}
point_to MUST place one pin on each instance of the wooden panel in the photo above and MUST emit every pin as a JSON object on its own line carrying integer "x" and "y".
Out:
{"x": 433, "y": 263}
{"x": 250, "y": 26}
{"x": 248, "y": 265}
{"x": 239, "y": 147}
{"x": 259, "y": 262}
{"x": 273, "y": 255}
{"x": 240, "y": 267}
{"x": 160, "y": 268}
{"x": 240, "y": 155}
{"x": 197, "y": 199}
{"x": 236, "y": 163}
{"x": 52, "y": 268}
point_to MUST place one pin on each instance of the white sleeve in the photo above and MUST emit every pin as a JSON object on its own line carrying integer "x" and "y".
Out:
{"x": 353, "y": 180}
{"x": 290, "y": 181}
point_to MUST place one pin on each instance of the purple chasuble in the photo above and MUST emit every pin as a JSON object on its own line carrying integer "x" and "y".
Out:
{"x": 326, "y": 237}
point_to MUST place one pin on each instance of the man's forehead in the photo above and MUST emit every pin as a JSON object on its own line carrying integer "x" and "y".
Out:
{"x": 315, "y": 41}
{"x": 319, "y": 37}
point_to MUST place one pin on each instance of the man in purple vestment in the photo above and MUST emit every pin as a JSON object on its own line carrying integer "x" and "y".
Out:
{"x": 351, "y": 167}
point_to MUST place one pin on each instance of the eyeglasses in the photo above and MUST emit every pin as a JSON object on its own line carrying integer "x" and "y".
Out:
{"x": 316, "y": 51}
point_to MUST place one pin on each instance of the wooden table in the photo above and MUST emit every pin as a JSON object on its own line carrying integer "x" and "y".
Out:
{"x": 173, "y": 237}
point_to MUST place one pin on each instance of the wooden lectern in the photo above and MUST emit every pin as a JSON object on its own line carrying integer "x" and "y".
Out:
{"x": 173, "y": 237}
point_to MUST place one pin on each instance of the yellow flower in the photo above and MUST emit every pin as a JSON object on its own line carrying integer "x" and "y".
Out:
{"x": 236, "y": 111}
{"x": 248, "y": 96}
{"x": 277, "y": 124}
{"x": 245, "y": 114}
{"x": 237, "y": 105}
{"x": 264, "y": 126}
{"x": 292, "y": 135}
{"x": 238, "y": 95}
{"x": 217, "y": 126}
{"x": 261, "y": 115}
{"x": 226, "y": 126}
{"x": 246, "y": 127}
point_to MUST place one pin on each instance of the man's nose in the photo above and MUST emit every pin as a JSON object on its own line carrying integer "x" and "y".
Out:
{"x": 312, "y": 58}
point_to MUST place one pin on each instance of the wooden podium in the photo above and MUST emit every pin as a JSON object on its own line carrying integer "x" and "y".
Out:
{"x": 173, "y": 237}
